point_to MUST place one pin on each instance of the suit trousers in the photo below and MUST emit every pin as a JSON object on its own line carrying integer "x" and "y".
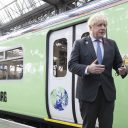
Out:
{"x": 100, "y": 108}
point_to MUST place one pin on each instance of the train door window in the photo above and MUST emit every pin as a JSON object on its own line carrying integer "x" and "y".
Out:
{"x": 60, "y": 57}
{"x": 86, "y": 34}
{"x": 11, "y": 64}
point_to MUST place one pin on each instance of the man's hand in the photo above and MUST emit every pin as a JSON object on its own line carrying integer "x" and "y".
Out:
{"x": 94, "y": 68}
{"x": 122, "y": 70}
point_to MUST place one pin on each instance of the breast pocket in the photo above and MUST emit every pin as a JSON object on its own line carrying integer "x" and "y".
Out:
{"x": 86, "y": 59}
{"x": 86, "y": 56}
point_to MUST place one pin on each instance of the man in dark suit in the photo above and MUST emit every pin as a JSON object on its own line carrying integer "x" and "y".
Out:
{"x": 92, "y": 59}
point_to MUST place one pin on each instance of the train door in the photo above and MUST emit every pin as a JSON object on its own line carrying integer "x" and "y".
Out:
{"x": 59, "y": 78}
{"x": 81, "y": 30}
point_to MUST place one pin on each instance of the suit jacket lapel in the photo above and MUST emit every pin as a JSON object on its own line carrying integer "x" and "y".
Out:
{"x": 105, "y": 45}
{"x": 91, "y": 50}
{"x": 90, "y": 46}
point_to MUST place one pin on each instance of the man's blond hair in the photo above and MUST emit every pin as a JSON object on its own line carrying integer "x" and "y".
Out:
{"x": 98, "y": 17}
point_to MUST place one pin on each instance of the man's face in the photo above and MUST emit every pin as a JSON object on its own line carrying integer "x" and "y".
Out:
{"x": 98, "y": 30}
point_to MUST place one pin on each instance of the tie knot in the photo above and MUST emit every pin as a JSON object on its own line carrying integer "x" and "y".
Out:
{"x": 98, "y": 41}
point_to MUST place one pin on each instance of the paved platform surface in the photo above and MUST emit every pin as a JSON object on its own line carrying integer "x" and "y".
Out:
{"x": 11, "y": 124}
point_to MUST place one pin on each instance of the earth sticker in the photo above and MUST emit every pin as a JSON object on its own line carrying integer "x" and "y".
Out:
{"x": 59, "y": 98}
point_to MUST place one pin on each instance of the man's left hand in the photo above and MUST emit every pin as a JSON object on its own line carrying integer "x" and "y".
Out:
{"x": 122, "y": 70}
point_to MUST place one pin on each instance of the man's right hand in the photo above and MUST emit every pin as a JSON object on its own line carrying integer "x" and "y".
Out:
{"x": 94, "y": 68}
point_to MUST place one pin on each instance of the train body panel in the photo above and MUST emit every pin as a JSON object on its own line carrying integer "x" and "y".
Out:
{"x": 27, "y": 95}
{"x": 36, "y": 82}
{"x": 118, "y": 30}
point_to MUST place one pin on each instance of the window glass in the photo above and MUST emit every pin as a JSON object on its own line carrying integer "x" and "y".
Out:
{"x": 13, "y": 53}
{"x": 86, "y": 34}
{"x": 60, "y": 57}
{"x": 11, "y": 64}
{"x": 1, "y": 55}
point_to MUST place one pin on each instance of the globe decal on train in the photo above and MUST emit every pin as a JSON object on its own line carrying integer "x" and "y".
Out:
{"x": 59, "y": 98}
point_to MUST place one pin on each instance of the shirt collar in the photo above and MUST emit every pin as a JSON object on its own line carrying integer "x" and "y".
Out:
{"x": 94, "y": 39}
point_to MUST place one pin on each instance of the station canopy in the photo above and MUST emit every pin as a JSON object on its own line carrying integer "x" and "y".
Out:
{"x": 11, "y": 9}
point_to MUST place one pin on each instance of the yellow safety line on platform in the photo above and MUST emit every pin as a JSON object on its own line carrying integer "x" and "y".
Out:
{"x": 64, "y": 123}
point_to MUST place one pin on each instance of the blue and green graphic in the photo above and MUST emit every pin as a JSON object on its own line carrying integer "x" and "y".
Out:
{"x": 59, "y": 98}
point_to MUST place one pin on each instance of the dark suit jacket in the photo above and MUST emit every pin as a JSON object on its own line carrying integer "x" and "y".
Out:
{"x": 83, "y": 54}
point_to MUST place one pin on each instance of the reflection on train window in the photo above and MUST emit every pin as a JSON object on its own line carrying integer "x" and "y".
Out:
{"x": 86, "y": 34}
{"x": 60, "y": 57}
{"x": 11, "y": 63}
{"x": 1, "y": 55}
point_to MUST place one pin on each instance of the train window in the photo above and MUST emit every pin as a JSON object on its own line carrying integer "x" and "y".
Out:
{"x": 1, "y": 55}
{"x": 60, "y": 57}
{"x": 85, "y": 34}
{"x": 13, "y": 53}
{"x": 11, "y": 64}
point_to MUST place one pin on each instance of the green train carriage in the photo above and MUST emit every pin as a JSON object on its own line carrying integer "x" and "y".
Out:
{"x": 34, "y": 79}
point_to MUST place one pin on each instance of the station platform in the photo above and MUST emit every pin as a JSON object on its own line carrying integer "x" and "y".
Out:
{"x": 11, "y": 124}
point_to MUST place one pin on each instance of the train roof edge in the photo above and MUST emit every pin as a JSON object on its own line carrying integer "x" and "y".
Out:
{"x": 88, "y": 7}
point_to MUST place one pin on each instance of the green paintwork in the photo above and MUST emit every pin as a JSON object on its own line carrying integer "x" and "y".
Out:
{"x": 118, "y": 30}
{"x": 27, "y": 96}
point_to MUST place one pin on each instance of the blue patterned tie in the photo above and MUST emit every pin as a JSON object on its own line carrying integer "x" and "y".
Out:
{"x": 99, "y": 53}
